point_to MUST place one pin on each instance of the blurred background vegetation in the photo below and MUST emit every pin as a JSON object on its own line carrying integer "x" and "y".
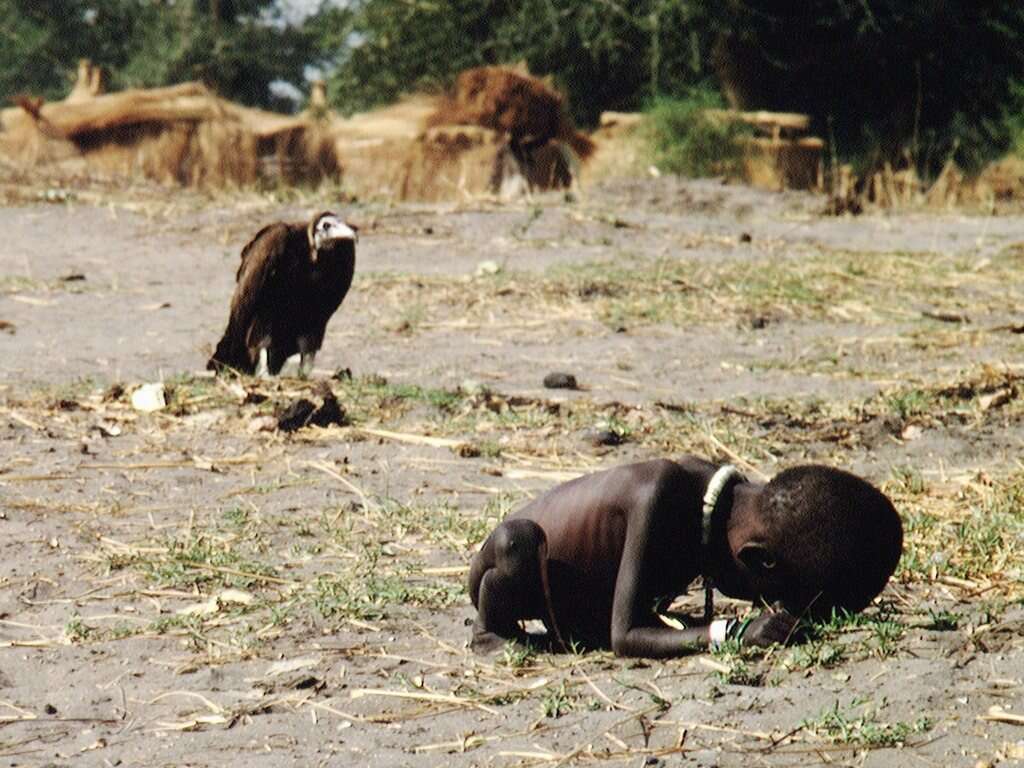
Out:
{"x": 915, "y": 82}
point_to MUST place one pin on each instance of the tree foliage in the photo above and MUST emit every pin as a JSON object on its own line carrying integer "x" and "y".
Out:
{"x": 235, "y": 46}
{"x": 928, "y": 79}
{"x": 605, "y": 55}
{"x": 932, "y": 79}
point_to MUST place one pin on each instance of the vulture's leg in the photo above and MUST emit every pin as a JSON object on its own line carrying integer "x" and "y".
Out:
{"x": 306, "y": 360}
{"x": 262, "y": 366}
{"x": 307, "y": 355}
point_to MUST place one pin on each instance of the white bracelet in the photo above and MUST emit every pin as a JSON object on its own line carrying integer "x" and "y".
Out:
{"x": 718, "y": 631}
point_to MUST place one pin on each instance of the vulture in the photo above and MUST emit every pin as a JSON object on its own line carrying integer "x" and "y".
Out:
{"x": 291, "y": 280}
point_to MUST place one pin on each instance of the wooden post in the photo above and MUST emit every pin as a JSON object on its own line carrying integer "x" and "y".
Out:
{"x": 318, "y": 95}
{"x": 81, "y": 89}
{"x": 97, "y": 81}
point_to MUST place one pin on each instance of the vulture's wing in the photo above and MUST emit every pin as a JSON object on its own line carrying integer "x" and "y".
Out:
{"x": 254, "y": 246}
{"x": 262, "y": 259}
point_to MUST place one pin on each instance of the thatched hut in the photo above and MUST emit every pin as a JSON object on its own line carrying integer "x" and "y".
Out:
{"x": 499, "y": 131}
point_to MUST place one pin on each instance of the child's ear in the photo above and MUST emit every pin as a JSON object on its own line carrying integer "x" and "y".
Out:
{"x": 756, "y": 557}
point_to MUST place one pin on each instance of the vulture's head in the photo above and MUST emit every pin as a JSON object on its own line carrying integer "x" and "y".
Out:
{"x": 327, "y": 230}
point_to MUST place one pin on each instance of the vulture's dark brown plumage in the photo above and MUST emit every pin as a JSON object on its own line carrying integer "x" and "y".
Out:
{"x": 291, "y": 280}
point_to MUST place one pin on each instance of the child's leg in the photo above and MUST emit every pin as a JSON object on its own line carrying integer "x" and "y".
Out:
{"x": 505, "y": 584}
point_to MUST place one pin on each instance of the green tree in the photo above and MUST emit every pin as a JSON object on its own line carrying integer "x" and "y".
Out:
{"x": 238, "y": 47}
{"x": 605, "y": 55}
{"x": 883, "y": 78}
{"x": 928, "y": 79}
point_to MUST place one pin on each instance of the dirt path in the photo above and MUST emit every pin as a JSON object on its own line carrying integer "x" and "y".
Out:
{"x": 186, "y": 587}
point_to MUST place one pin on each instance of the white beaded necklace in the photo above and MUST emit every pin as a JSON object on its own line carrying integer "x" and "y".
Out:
{"x": 716, "y": 485}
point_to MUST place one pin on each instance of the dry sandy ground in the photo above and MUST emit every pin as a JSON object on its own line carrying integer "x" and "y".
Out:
{"x": 180, "y": 588}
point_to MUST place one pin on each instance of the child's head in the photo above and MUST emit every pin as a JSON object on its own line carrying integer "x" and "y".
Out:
{"x": 832, "y": 540}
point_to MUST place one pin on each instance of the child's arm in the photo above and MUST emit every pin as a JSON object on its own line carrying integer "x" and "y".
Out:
{"x": 635, "y": 630}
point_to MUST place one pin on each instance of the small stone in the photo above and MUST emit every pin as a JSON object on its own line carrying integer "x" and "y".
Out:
{"x": 471, "y": 387}
{"x": 911, "y": 432}
{"x": 149, "y": 398}
{"x": 488, "y": 267}
{"x": 745, "y": 237}
{"x": 50, "y": 709}
{"x": 995, "y": 399}
{"x": 261, "y": 424}
{"x": 557, "y": 380}
{"x": 758, "y": 322}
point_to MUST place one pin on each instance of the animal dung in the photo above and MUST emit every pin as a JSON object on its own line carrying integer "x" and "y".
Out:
{"x": 330, "y": 412}
{"x": 303, "y": 412}
{"x": 149, "y": 398}
{"x": 602, "y": 437}
{"x": 558, "y": 380}
{"x": 295, "y": 415}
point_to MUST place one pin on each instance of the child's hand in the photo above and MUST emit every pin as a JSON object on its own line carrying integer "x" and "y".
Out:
{"x": 770, "y": 628}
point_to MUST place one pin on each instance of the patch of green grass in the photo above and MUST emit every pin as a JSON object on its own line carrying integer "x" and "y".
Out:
{"x": 236, "y": 517}
{"x": 907, "y": 479}
{"x": 499, "y": 506}
{"x": 372, "y": 392}
{"x": 557, "y": 701}
{"x": 909, "y": 403}
{"x": 815, "y": 654}
{"x": 739, "y": 663}
{"x": 686, "y": 139}
{"x": 199, "y": 561}
{"x": 187, "y": 394}
{"x": 369, "y": 595}
{"x": 839, "y": 621}
{"x": 439, "y": 523}
{"x": 517, "y": 656}
{"x": 942, "y": 621}
{"x": 844, "y": 726}
{"x": 875, "y": 632}
{"x": 884, "y": 637}
{"x": 983, "y": 538}
{"x": 76, "y": 630}
{"x": 920, "y": 557}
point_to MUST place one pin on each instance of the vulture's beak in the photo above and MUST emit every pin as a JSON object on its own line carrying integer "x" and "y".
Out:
{"x": 331, "y": 230}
